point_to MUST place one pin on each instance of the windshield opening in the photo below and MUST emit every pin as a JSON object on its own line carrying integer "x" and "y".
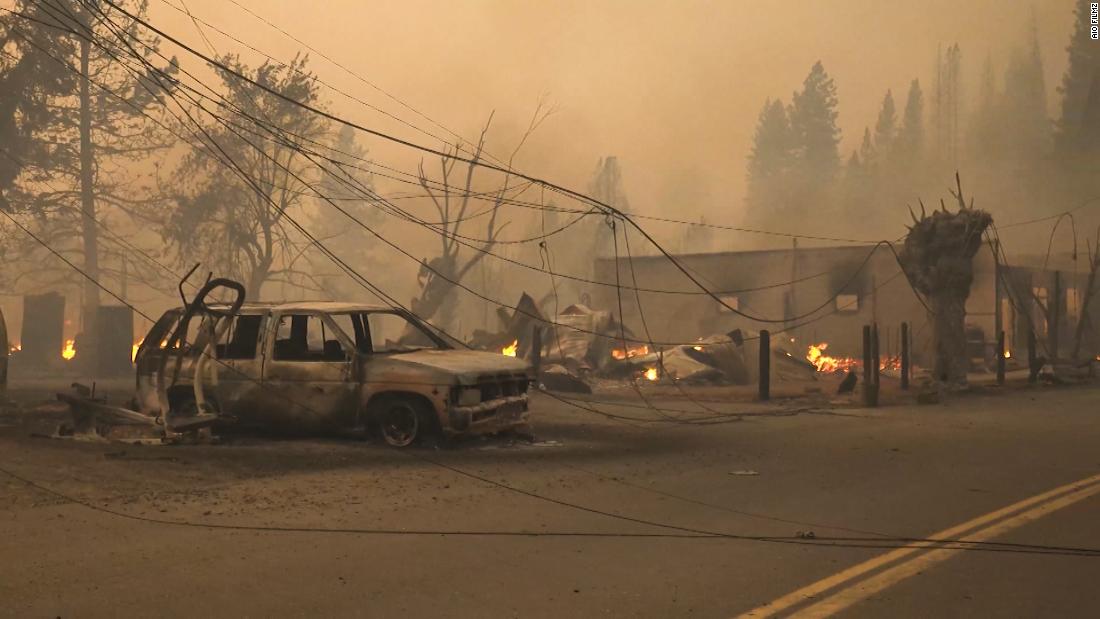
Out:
{"x": 392, "y": 332}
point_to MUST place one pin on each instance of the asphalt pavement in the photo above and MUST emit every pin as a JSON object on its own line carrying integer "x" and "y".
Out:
{"x": 781, "y": 509}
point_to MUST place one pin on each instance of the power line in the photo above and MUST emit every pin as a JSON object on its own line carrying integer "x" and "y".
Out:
{"x": 299, "y": 179}
{"x": 512, "y": 488}
{"x": 396, "y": 140}
{"x": 459, "y": 138}
{"x": 459, "y": 284}
{"x": 228, "y": 160}
{"x": 357, "y": 276}
{"x": 525, "y": 265}
{"x": 241, "y": 171}
{"x": 385, "y": 240}
{"x": 682, "y": 532}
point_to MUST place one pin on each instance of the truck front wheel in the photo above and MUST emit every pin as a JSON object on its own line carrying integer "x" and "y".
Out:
{"x": 400, "y": 420}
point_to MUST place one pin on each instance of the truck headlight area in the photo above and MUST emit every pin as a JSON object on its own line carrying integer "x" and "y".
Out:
{"x": 467, "y": 396}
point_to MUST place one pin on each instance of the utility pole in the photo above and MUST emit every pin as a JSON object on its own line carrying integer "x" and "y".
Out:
{"x": 125, "y": 278}
{"x": 794, "y": 276}
{"x": 87, "y": 197}
{"x": 1054, "y": 322}
{"x": 874, "y": 300}
{"x": 765, "y": 373}
{"x": 998, "y": 320}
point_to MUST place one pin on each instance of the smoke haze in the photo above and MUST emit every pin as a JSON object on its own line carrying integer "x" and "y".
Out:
{"x": 671, "y": 88}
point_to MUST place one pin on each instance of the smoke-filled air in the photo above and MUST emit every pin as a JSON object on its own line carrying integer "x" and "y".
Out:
{"x": 549, "y": 307}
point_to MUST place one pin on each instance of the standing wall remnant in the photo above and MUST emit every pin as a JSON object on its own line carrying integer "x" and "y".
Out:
{"x": 114, "y": 334}
{"x": 42, "y": 335}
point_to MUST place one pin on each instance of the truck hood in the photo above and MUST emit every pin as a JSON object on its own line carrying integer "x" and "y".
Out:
{"x": 466, "y": 363}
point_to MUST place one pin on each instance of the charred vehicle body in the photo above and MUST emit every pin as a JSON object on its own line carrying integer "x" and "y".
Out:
{"x": 325, "y": 366}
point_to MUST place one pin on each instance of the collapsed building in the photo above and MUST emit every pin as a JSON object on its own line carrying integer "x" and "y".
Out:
{"x": 825, "y": 295}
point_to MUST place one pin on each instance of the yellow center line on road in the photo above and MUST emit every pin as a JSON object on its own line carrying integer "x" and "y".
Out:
{"x": 864, "y": 589}
{"x": 1014, "y": 515}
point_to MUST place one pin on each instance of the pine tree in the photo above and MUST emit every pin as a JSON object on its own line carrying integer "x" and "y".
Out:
{"x": 769, "y": 162}
{"x": 1079, "y": 89}
{"x": 985, "y": 133}
{"x": 867, "y": 149}
{"x": 230, "y": 224}
{"x": 1024, "y": 103}
{"x": 813, "y": 113}
{"x": 101, "y": 135}
{"x": 861, "y": 178}
{"x": 607, "y": 184}
{"x": 346, "y": 180}
{"x": 30, "y": 77}
{"x": 607, "y": 187}
{"x": 886, "y": 127}
{"x": 948, "y": 103}
{"x": 857, "y": 185}
{"x": 771, "y": 148}
{"x": 911, "y": 136}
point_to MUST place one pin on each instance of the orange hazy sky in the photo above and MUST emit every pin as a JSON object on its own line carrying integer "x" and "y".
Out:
{"x": 671, "y": 87}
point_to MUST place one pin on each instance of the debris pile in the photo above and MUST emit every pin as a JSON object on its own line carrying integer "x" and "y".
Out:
{"x": 580, "y": 344}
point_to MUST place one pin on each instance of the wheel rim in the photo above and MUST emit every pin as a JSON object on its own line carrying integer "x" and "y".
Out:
{"x": 400, "y": 425}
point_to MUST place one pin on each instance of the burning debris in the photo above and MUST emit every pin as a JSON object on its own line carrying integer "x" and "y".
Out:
{"x": 69, "y": 350}
{"x": 514, "y": 339}
{"x": 815, "y": 354}
{"x": 619, "y": 354}
{"x": 720, "y": 359}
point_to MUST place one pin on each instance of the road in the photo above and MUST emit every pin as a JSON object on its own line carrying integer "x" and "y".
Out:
{"x": 596, "y": 517}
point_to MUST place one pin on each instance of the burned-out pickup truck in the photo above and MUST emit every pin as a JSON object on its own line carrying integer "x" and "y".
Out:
{"x": 327, "y": 366}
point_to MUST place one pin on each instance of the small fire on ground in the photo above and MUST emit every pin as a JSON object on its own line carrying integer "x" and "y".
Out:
{"x": 510, "y": 350}
{"x": 619, "y": 354}
{"x": 824, "y": 363}
{"x": 69, "y": 351}
{"x": 815, "y": 354}
{"x": 651, "y": 374}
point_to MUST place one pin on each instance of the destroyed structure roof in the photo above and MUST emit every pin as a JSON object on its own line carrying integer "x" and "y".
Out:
{"x": 309, "y": 306}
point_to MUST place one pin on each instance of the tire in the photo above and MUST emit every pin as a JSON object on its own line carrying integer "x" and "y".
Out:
{"x": 400, "y": 421}
{"x": 185, "y": 406}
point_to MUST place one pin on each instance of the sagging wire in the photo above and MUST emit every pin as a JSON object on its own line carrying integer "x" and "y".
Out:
{"x": 533, "y": 495}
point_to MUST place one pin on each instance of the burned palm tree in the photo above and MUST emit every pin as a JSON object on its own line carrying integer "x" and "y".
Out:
{"x": 938, "y": 258}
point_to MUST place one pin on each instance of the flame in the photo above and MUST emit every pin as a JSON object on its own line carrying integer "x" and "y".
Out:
{"x": 651, "y": 374}
{"x": 697, "y": 347}
{"x": 510, "y": 350}
{"x": 14, "y": 347}
{"x": 1008, "y": 354}
{"x": 890, "y": 363}
{"x": 69, "y": 351}
{"x": 815, "y": 354}
{"x": 824, "y": 363}
{"x": 619, "y": 354}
